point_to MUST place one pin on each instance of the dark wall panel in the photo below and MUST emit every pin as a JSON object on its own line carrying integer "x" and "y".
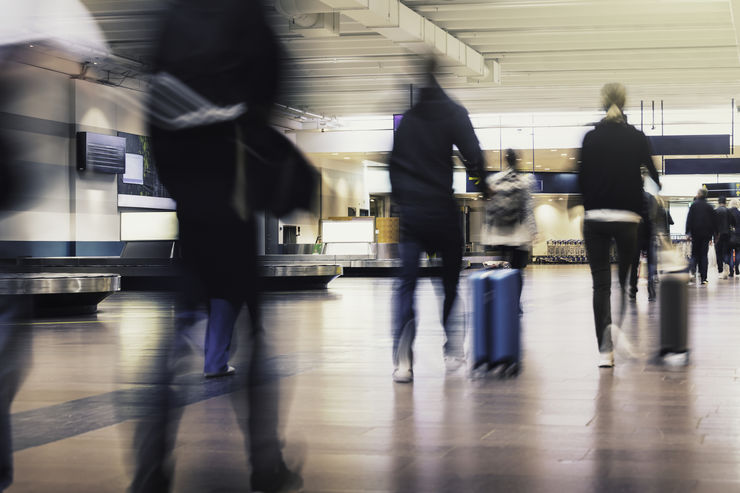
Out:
{"x": 556, "y": 183}
{"x": 692, "y": 166}
{"x": 672, "y": 145}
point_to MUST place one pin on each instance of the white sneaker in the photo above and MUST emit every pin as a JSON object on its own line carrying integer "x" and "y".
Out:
{"x": 403, "y": 376}
{"x": 676, "y": 359}
{"x": 230, "y": 370}
{"x": 606, "y": 359}
{"x": 453, "y": 363}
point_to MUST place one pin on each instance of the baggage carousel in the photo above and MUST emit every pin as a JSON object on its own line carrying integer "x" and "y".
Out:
{"x": 164, "y": 273}
{"x": 61, "y": 293}
{"x": 357, "y": 265}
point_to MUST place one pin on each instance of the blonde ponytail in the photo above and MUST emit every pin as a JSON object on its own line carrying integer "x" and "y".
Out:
{"x": 613, "y": 97}
{"x": 614, "y": 114}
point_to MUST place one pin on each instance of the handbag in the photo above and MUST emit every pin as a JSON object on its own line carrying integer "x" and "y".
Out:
{"x": 279, "y": 179}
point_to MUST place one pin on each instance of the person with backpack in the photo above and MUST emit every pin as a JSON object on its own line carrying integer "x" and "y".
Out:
{"x": 610, "y": 180}
{"x": 509, "y": 226}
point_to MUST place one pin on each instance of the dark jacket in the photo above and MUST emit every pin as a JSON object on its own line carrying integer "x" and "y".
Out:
{"x": 722, "y": 220}
{"x": 421, "y": 162}
{"x": 735, "y": 222}
{"x": 609, "y": 169}
{"x": 700, "y": 222}
{"x": 224, "y": 50}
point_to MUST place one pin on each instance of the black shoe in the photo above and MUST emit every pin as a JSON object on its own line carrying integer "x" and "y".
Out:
{"x": 632, "y": 293}
{"x": 282, "y": 481}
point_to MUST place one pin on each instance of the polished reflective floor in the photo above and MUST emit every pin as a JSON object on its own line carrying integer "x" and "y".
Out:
{"x": 561, "y": 425}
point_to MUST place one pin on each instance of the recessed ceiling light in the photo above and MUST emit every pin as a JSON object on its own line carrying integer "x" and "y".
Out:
{"x": 30, "y": 46}
{"x": 553, "y": 150}
{"x": 529, "y": 162}
{"x": 572, "y": 159}
{"x": 335, "y": 154}
{"x": 547, "y": 169}
{"x": 346, "y": 157}
{"x": 564, "y": 154}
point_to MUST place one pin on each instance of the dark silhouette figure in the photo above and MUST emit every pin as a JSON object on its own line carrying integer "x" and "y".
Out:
{"x": 421, "y": 182}
{"x": 217, "y": 74}
{"x": 700, "y": 229}
{"x": 610, "y": 179}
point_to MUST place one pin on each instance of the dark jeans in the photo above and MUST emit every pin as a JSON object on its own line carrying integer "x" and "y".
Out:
{"x": 430, "y": 230}
{"x": 699, "y": 250}
{"x": 722, "y": 249}
{"x": 598, "y": 236}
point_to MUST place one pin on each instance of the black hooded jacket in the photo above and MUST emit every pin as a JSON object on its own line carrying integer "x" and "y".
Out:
{"x": 421, "y": 164}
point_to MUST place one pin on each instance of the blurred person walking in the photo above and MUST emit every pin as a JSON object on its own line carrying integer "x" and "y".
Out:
{"x": 509, "y": 226}
{"x": 722, "y": 219}
{"x": 646, "y": 233}
{"x": 700, "y": 228}
{"x": 25, "y": 23}
{"x": 421, "y": 184}
{"x": 734, "y": 211}
{"x": 663, "y": 220}
{"x": 217, "y": 74}
{"x": 610, "y": 179}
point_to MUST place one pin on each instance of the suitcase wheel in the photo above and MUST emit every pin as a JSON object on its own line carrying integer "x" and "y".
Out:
{"x": 511, "y": 370}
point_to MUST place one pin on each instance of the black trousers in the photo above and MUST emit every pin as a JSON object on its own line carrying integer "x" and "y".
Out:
{"x": 699, "y": 251}
{"x": 598, "y": 236}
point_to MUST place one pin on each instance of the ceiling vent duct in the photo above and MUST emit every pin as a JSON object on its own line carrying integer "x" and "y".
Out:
{"x": 400, "y": 24}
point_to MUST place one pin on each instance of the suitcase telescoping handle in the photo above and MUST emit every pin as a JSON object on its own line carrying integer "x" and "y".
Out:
{"x": 496, "y": 264}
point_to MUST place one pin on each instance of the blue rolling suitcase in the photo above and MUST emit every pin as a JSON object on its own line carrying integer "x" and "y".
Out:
{"x": 496, "y": 329}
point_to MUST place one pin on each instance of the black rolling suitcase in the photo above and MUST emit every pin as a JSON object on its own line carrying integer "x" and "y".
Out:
{"x": 674, "y": 318}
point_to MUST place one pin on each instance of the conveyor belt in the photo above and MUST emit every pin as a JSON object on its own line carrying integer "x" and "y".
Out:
{"x": 61, "y": 293}
{"x": 280, "y": 276}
